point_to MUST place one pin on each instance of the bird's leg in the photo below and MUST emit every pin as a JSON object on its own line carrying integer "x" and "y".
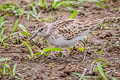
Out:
{"x": 64, "y": 52}
{"x": 76, "y": 47}
{"x": 84, "y": 54}
{"x": 72, "y": 49}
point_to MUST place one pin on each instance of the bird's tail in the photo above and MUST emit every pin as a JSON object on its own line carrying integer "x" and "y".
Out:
{"x": 93, "y": 25}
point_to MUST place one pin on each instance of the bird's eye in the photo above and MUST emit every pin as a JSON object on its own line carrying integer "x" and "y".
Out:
{"x": 40, "y": 29}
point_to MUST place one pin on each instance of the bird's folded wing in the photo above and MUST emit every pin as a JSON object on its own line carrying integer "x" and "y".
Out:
{"x": 73, "y": 28}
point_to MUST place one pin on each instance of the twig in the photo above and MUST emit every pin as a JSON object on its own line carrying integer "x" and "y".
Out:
{"x": 10, "y": 52}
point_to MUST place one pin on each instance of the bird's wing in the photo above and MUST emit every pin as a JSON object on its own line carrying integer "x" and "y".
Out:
{"x": 73, "y": 28}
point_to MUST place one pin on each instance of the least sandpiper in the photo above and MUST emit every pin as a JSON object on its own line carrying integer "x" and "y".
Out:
{"x": 66, "y": 33}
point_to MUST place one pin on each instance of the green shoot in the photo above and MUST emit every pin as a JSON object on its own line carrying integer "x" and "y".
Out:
{"x": 14, "y": 8}
{"x": 100, "y": 52}
{"x": 13, "y": 29}
{"x": 34, "y": 8}
{"x": 18, "y": 26}
{"x": 95, "y": 1}
{"x": 74, "y": 13}
{"x": 18, "y": 12}
{"x": 2, "y": 29}
{"x": 2, "y": 19}
{"x": 33, "y": 12}
{"x": 51, "y": 18}
{"x": 78, "y": 74}
{"x": 22, "y": 27}
{"x": 4, "y": 59}
{"x": 28, "y": 13}
{"x": 2, "y": 36}
{"x": 81, "y": 49}
{"x": 24, "y": 31}
{"x": 8, "y": 6}
{"x": 113, "y": 78}
{"x": 41, "y": 53}
{"x": 101, "y": 25}
{"x": 46, "y": 50}
{"x": 51, "y": 49}
{"x": 99, "y": 4}
{"x": 5, "y": 67}
{"x": 14, "y": 69}
{"x": 99, "y": 67}
{"x": 87, "y": 77}
{"x": 15, "y": 26}
{"x": 43, "y": 4}
{"x": 102, "y": 61}
{"x": 55, "y": 4}
{"x": 29, "y": 48}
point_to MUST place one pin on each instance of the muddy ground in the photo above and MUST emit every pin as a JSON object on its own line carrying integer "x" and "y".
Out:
{"x": 61, "y": 68}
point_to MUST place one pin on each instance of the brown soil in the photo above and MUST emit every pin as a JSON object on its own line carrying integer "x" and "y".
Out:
{"x": 61, "y": 68}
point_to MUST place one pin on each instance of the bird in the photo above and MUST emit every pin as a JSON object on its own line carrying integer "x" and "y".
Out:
{"x": 67, "y": 32}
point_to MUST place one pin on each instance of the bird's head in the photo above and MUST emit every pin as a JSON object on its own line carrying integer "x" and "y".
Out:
{"x": 42, "y": 31}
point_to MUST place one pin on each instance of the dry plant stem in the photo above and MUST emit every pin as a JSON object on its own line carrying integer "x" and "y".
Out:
{"x": 11, "y": 52}
{"x": 84, "y": 56}
{"x": 83, "y": 73}
{"x": 92, "y": 68}
{"x": 72, "y": 50}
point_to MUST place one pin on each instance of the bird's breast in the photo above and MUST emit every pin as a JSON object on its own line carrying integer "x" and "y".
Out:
{"x": 61, "y": 42}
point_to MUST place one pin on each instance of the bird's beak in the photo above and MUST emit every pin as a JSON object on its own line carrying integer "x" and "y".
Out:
{"x": 33, "y": 37}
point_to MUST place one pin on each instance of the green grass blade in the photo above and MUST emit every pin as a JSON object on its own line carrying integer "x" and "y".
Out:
{"x": 8, "y": 6}
{"x": 2, "y": 32}
{"x": 34, "y": 10}
{"x": 55, "y": 4}
{"x": 4, "y": 37}
{"x": 101, "y": 60}
{"x": 81, "y": 49}
{"x": 29, "y": 48}
{"x": 41, "y": 53}
{"x": 73, "y": 14}
{"x": 100, "y": 52}
{"x": 3, "y": 18}
{"x": 14, "y": 69}
{"x": 15, "y": 26}
{"x": 51, "y": 49}
{"x": 13, "y": 29}
{"x": 113, "y": 78}
{"x": 99, "y": 4}
{"x": 43, "y": 3}
{"x": 4, "y": 59}
{"x": 26, "y": 33}
{"x": 22, "y": 27}
{"x": 94, "y": 77}
{"x": 4, "y": 70}
{"x": 100, "y": 69}
{"x": 78, "y": 74}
